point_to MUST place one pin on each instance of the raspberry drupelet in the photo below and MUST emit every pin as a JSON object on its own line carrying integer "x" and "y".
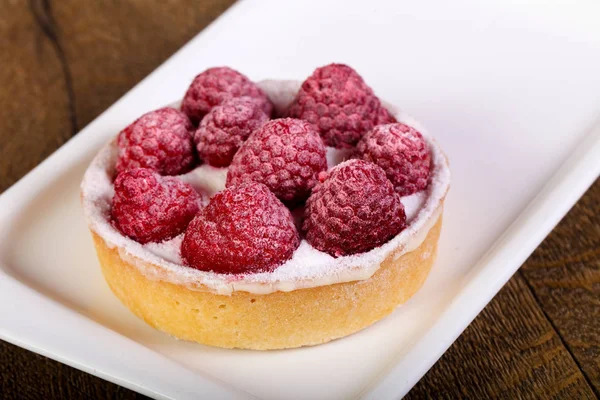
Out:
{"x": 401, "y": 151}
{"x": 148, "y": 207}
{"x": 244, "y": 229}
{"x": 384, "y": 117}
{"x": 225, "y": 128}
{"x": 285, "y": 154}
{"x": 354, "y": 210}
{"x": 216, "y": 85}
{"x": 160, "y": 140}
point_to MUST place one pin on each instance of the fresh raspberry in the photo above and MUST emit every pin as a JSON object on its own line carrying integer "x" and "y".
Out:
{"x": 215, "y": 85}
{"x": 244, "y": 229}
{"x": 402, "y": 153}
{"x": 337, "y": 100}
{"x": 286, "y": 155}
{"x": 160, "y": 140}
{"x": 225, "y": 128}
{"x": 354, "y": 210}
{"x": 384, "y": 117}
{"x": 148, "y": 207}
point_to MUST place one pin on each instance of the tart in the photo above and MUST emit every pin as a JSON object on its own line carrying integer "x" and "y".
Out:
{"x": 310, "y": 296}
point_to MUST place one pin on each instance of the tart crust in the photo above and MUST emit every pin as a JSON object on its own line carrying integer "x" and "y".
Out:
{"x": 277, "y": 320}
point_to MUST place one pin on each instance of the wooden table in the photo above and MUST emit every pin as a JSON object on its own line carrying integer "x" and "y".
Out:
{"x": 63, "y": 63}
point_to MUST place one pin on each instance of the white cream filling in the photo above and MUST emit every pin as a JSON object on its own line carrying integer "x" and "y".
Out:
{"x": 308, "y": 266}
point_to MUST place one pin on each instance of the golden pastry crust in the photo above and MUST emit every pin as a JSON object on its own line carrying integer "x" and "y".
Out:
{"x": 278, "y": 320}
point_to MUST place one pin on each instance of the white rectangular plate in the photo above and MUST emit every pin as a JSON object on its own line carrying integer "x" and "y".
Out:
{"x": 511, "y": 93}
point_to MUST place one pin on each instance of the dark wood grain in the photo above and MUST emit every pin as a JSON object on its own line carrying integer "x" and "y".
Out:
{"x": 559, "y": 287}
{"x": 34, "y": 105}
{"x": 564, "y": 275}
{"x": 112, "y": 45}
{"x": 28, "y": 376}
{"x": 510, "y": 351}
{"x": 64, "y": 62}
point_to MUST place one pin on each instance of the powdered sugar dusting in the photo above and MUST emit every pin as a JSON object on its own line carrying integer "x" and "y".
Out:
{"x": 206, "y": 179}
{"x": 169, "y": 249}
{"x": 412, "y": 204}
{"x": 308, "y": 267}
{"x": 281, "y": 93}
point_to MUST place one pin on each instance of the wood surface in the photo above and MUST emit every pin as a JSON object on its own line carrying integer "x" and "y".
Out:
{"x": 62, "y": 63}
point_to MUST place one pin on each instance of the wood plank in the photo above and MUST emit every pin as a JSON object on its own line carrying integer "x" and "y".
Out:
{"x": 29, "y": 376}
{"x": 110, "y": 46}
{"x": 509, "y": 351}
{"x": 564, "y": 274}
{"x": 35, "y": 115}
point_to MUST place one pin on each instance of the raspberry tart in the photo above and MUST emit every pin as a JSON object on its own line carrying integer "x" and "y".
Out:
{"x": 217, "y": 224}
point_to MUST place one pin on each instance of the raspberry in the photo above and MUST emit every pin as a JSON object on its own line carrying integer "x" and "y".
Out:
{"x": 225, "y": 128}
{"x": 244, "y": 229}
{"x": 286, "y": 155}
{"x": 354, "y": 210}
{"x": 402, "y": 153}
{"x": 384, "y": 117}
{"x": 160, "y": 140}
{"x": 215, "y": 85}
{"x": 337, "y": 100}
{"x": 148, "y": 207}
